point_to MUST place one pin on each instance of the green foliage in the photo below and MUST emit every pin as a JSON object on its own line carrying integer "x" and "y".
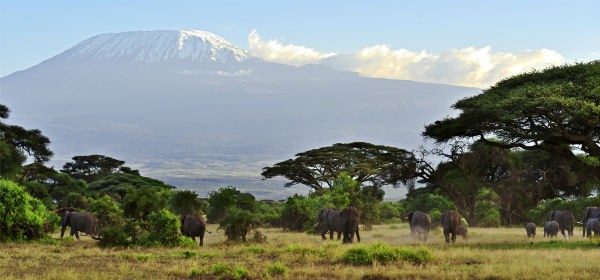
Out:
{"x": 140, "y": 202}
{"x": 107, "y": 211}
{"x": 17, "y": 143}
{"x": 487, "y": 209}
{"x": 382, "y": 253}
{"x": 392, "y": 211}
{"x": 357, "y": 256}
{"x": 269, "y": 213}
{"x": 185, "y": 202}
{"x": 225, "y": 198}
{"x": 163, "y": 229}
{"x": 11, "y": 160}
{"x": 21, "y": 216}
{"x": 276, "y": 269}
{"x": 73, "y": 200}
{"x": 298, "y": 213}
{"x": 114, "y": 236}
{"x": 118, "y": 185}
{"x": 224, "y": 271}
{"x": 364, "y": 162}
{"x": 427, "y": 202}
{"x": 551, "y": 110}
{"x": 92, "y": 167}
{"x": 238, "y": 223}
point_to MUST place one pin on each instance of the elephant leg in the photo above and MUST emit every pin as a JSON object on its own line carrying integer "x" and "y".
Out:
{"x": 357, "y": 235}
{"x": 453, "y": 237}
{"x": 62, "y": 231}
{"x": 201, "y": 238}
{"x": 331, "y": 234}
{"x": 562, "y": 231}
{"x": 339, "y": 235}
{"x": 447, "y": 235}
{"x": 76, "y": 233}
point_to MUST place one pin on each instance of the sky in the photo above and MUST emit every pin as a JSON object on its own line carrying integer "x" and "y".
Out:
{"x": 471, "y": 43}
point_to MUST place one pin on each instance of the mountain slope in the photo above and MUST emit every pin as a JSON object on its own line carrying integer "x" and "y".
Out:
{"x": 187, "y": 106}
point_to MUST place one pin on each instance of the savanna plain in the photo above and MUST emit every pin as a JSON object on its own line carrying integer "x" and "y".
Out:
{"x": 489, "y": 253}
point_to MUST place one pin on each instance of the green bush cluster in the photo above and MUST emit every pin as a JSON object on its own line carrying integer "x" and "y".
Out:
{"x": 21, "y": 215}
{"x": 224, "y": 271}
{"x": 382, "y": 253}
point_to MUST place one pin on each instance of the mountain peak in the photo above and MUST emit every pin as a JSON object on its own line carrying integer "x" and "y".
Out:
{"x": 158, "y": 46}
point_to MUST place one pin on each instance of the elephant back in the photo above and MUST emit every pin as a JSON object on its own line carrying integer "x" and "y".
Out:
{"x": 192, "y": 225}
{"x": 419, "y": 219}
{"x": 450, "y": 220}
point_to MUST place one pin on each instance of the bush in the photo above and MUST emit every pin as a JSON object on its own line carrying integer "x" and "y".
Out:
{"x": 21, "y": 215}
{"x": 185, "y": 202}
{"x": 114, "y": 236}
{"x": 107, "y": 211}
{"x": 383, "y": 253}
{"x": 276, "y": 269}
{"x": 221, "y": 200}
{"x": 357, "y": 256}
{"x": 297, "y": 213}
{"x": 237, "y": 224}
{"x": 140, "y": 202}
{"x": 487, "y": 210}
{"x": 163, "y": 229}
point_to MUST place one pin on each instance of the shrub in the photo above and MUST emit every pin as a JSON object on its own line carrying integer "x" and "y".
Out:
{"x": 114, "y": 236}
{"x": 357, "y": 256}
{"x": 163, "y": 229}
{"x": 221, "y": 200}
{"x": 276, "y": 269}
{"x": 185, "y": 202}
{"x": 382, "y": 253}
{"x": 107, "y": 211}
{"x": 297, "y": 213}
{"x": 237, "y": 224}
{"x": 21, "y": 215}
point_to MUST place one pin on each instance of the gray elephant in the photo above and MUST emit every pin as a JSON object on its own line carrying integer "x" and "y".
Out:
{"x": 192, "y": 226}
{"x": 420, "y": 224}
{"x": 463, "y": 231}
{"x": 565, "y": 219}
{"x": 551, "y": 228}
{"x": 328, "y": 220}
{"x": 530, "y": 229}
{"x": 84, "y": 222}
{"x": 589, "y": 213}
{"x": 450, "y": 222}
{"x": 593, "y": 224}
{"x": 349, "y": 219}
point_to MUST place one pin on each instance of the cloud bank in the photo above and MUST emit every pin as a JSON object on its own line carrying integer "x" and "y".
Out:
{"x": 477, "y": 67}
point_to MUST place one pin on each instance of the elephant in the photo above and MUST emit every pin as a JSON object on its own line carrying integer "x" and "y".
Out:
{"x": 530, "y": 228}
{"x": 192, "y": 226}
{"x": 551, "y": 228}
{"x": 589, "y": 213}
{"x": 420, "y": 224}
{"x": 349, "y": 219}
{"x": 84, "y": 222}
{"x": 565, "y": 219}
{"x": 593, "y": 224}
{"x": 450, "y": 221}
{"x": 463, "y": 231}
{"x": 329, "y": 220}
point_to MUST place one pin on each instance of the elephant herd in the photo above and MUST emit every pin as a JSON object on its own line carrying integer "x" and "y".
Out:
{"x": 561, "y": 220}
{"x": 191, "y": 225}
{"x": 345, "y": 222}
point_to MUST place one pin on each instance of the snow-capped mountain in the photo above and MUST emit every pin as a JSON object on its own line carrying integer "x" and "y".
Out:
{"x": 158, "y": 46}
{"x": 192, "y": 109}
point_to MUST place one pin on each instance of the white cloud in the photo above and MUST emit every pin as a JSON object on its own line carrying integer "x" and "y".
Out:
{"x": 477, "y": 67}
{"x": 274, "y": 51}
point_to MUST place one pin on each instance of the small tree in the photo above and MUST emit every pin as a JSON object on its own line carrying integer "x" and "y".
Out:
{"x": 163, "y": 229}
{"x": 107, "y": 211}
{"x": 185, "y": 202}
{"x": 238, "y": 223}
{"x": 20, "y": 214}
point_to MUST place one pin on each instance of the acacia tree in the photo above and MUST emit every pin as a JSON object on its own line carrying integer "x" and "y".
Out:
{"x": 93, "y": 167}
{"x": 556, "y": 110}
{"x": 17, "y": 144}
{"x": 366, "y": 163}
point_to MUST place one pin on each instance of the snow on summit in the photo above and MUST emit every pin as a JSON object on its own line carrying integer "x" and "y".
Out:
{"x": 157, "y": 46}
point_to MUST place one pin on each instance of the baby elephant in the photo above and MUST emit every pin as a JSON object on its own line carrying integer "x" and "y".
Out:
{"x": 593, "y": 225}
{"x": 551, "y": 229}
{"x": 462, "y": 231}
{"x": 530, "y": 228}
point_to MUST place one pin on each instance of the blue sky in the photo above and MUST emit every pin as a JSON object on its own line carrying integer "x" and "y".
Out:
{"x": 464, "y": 42}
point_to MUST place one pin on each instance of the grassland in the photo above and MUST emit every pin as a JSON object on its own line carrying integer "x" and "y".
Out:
{"x": 499, "y": 253}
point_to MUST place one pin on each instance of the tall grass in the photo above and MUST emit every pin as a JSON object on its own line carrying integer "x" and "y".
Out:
{"x": 497, "y": 253}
